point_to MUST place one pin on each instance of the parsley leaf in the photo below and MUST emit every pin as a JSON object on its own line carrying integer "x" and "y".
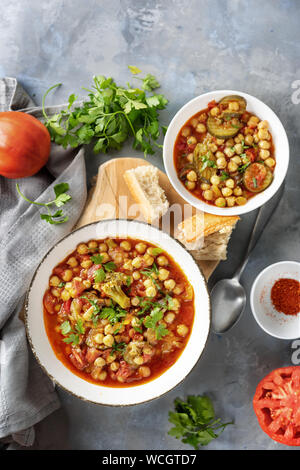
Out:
{"x": 99, "y": 275}
{"x": 194, "y": 421}
{"x": 110, "y": 266}
{"x": 65, "y": 328}
{"x": 151, "y": 321}
{"x": 61, "y": 198}
{"x": 113, "y": 314}
{"x": 97, "y": 259}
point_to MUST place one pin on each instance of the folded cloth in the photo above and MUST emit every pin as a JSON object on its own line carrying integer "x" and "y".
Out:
{"x": 27, "y": 395}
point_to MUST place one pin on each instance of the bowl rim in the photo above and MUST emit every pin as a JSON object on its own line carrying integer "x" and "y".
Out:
{"x": 168, "y": 148}
{"x": 56, "y": 381}
{"x": 254, "y": 287}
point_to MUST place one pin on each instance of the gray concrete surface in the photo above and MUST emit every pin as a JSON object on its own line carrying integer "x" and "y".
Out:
{"x": 192, "y": 47}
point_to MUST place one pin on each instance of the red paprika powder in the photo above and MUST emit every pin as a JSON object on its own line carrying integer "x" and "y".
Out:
{"x": 285, "y": 296}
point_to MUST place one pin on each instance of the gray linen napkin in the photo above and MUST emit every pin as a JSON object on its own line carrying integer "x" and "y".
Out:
{"x": 26, "y": 394}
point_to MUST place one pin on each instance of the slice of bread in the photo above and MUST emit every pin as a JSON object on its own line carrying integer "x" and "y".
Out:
{"x": 144, "y": 186}
{"x": 206, "y": 235}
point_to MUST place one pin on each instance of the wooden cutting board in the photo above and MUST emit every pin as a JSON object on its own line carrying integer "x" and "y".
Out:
{"x": 110, "y": 185}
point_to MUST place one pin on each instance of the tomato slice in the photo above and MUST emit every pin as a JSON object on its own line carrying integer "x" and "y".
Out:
{"x": 49, "y": 302}
{"x": 277, "y": 405}
{"x": 92, "y": 270}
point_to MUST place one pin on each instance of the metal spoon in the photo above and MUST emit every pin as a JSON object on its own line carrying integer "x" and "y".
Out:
{"x": 228, "y": 296}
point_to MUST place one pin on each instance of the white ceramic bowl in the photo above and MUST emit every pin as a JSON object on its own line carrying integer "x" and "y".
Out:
{"x": 274, "y": 323}
{"x": 110, "y": 395}
{"x": 253, "y": 105}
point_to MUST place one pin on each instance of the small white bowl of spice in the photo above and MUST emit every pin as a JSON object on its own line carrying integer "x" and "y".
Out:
{"x": 275, "y": 300}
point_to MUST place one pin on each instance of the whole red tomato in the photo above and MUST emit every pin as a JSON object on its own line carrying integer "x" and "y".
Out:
{"x": 24, "y": 145}
{"x": 277, "y": 405}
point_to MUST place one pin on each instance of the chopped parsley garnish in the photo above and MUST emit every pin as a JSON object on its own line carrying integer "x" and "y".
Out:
{"x": 118, "y": 347}
{"x": 243, "y": 168}
{"x": 99, "y": 275}
{"x": 113, "y": 314}
{"x": 224, "y": 176}
{"x": 72, "y": 337}
{"x": 207, "y": 163}
{"x": 110, "y": 266}
{"x": 151, "y": 321}
{"x": 254, "y": 182}
{"x": 97, "y": 259}
{"x": 61, "y": 284}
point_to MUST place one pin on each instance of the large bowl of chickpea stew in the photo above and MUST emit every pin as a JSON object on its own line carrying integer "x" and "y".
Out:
{"x": 226, "y": 152}
{"x": 119, "y": 311}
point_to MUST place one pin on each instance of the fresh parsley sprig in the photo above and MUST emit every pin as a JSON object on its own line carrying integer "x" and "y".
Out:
{"x": 72, "y": 337}
{"x": 110, "y": 116}
{"x": 194, "y": 421}
{"x": 61, "y": 198}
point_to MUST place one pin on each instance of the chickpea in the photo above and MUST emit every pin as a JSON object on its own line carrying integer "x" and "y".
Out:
{"x": 192, "y": 175}
{"x": 88, "y": 314}
{"x": 232, "y": 167}
{"x": 264, "y": 144}
{"x": 114, "y": 366}
{"x": 238, "y": 148}
{"x": 105, "y": 256}
{"x": 220, "y": 202}
{"x": 72, "y": 262}
{"x": 230, "y": 183}
{"x": 99, "y": 362}
{"x": 55, "y": 292}
{"x": 230, "y": 201}
{"x": 194, "y": 122}
{"x": 253, "y": 121}
{"x": 137, "y": 262}
{"x": 136, "y": 275}
{"x": 151, "y": 291}
{"x": 141, "y": 248}
{"x": 108, "y": 329}
{"x": 92, "y": 244}
{"x": 144, "y": 371}
{"x": 108, "y": 340}
{"x": 163, "y": 274}
{"x": 248, "y": 139}
{"x": 65, "y": 295}
{"x": 182, "y": 330}
{"x": 125, "y": 245}
{"x": 175, "y": 304}
{"x": 162, "y": 261}
{"x": 111, "y": 358}
{"x": 237, "y": 191}
{"x": 87, "y": 263}
{"x": 202, "y": 117}
{"x": 103, "y": 247}
{"x": 170, "y": 284}
{"x": 190, "y": 157}
{"x": 186, "y": 131}
{"x": 214, "y": 111}
{"x": 135, "y": 301}
{"x": 103, "y": 375}
{"x": 255, "y": 138}
{"x": 54, "y": 281}
{"x": 263, "y": 134}
{"x": 178, "y": 290}
{"x": 201, "y": 128}
{"x": 215, "y": 180}
{"x": 190, "y": 185}
{"x": 270, "y": 162}
{"x": 229, "y": 143}
{"x": 98, "y": 338}
{"x": 263, "y": 125}
{"x": 128, "y": 265}
{"x": 138, "y": 360}
{"x": 205, "y": 186}
{"x": 241, "y": 201}
{"x": 213, "y": 147}
{"x": 82, "y": 249}
{"x": 221, "y": 162}
{"x": 148, "y": 283}
{"x": 264, "y": 154}
{"x": 233, "y": 106}
{"x": 169, "y": 318}
{"x": 220, "y": 141}
{"x": 226, "y": 192}
{"x": 67, "y": 275}
{"x": 191, "y": 140}
{"x": 149, "y": 260}
{"x": 219, "y": 154}
{"x": 208, "y": 195}
{"x": 239, "y": 138}
{"x": 236, "y": 159}
{"x": 229, "y": 152}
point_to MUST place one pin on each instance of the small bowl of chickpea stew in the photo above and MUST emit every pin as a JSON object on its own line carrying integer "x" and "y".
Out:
{"x": 226, "y": 152}
{"x": 114, "y": 316}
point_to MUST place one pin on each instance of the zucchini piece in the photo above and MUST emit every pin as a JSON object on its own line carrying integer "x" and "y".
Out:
{"x": 224, "y": 130}
{"x": 241, "y": 101}
{"x": 257, "y": 177}
{"x": 204, "y": 162}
